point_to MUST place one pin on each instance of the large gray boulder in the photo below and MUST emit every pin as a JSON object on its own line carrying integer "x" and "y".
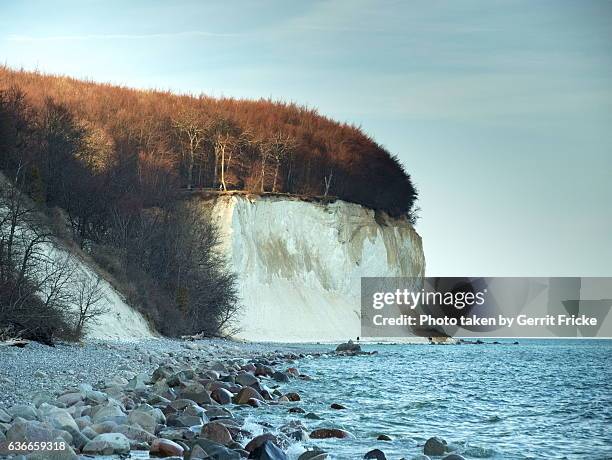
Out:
{"x": 25, "y": 411}
{"x": 108, "y": 444}
{"x": 56, "y": 417}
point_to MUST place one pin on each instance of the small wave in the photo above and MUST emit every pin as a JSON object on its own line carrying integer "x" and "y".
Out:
{"x": 478, "y": 452}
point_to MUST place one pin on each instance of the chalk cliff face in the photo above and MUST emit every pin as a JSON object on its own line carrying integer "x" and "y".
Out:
{"x": 300, "y": 263}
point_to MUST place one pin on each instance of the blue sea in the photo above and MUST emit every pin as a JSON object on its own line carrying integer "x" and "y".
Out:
{"x": 541, "y": 399}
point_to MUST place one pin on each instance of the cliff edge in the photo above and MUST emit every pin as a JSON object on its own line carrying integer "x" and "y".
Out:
{"x": 299, "y": 264}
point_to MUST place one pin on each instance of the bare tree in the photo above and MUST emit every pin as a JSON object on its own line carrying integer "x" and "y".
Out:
{"x": 193, "y": 133}
{"x": 34, "y": 275}
{"x": 277, "y": 148}
{"x": 88, "y": 300}
{"x": 225, "y": 137}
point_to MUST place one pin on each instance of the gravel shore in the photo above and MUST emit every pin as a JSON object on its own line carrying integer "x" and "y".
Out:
{"x": 26, "y": 371}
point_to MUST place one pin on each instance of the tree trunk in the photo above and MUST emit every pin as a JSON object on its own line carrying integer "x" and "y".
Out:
{"x": 223, "y": 168}
{"x": 263, "y": 173}
{"x": 275, "y": 176}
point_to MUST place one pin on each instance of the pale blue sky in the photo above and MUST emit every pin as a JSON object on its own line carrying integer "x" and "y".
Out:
{"x": 500, "y": 110}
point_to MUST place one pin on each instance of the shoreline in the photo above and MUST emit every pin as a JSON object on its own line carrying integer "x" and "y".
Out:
{"x": 157, "y": 395}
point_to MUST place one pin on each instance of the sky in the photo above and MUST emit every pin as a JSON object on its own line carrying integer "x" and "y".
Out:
{"x": 501, "y": 111}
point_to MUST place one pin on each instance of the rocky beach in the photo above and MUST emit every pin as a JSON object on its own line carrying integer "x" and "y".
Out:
{"x": 224, "y": 400}
{"x": 160, "y": 398}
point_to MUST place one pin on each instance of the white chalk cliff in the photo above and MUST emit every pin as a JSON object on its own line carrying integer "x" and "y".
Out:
{"x": 300, "y": 263}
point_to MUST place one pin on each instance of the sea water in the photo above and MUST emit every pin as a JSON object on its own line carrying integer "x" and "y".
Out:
{"x": 537, "y": 400}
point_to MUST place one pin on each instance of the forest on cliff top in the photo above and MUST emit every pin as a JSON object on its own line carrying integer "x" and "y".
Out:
{"x": 148, "y": 141}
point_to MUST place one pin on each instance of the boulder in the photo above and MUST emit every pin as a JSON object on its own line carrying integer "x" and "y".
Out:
{"x": 384, "y": 437}
{"x": 184, "y": 420}
{"x": 324, "y": 433}
{"x": 435, "y": 446}
{"x": 247, "y": 393}
{"x": 180, "y": 378}
{"x": 293, "y": 371}
{"x": 195, "y": 392}
{"x": 222, "y": 396}
{"x": 5, "y": 417}
{"x": 215, "y": 413}
{"x": 177, "y": 434}
{"x": 315, "y": 454}
{"x": 104, "y": 427}
{"x": 166, "y": 448}
{"x": 137, "y": 383}
{"x": 453, "y": 457}
{"x": 258, "y": 441}
{"x": 70, "y": 399}
{"x": 144, "y": 420}
{"x": 280, "y": 377}
{"x": 216, "y": 432}
{"x": 375, "y": 454}
{"x": 135, "y": 433}
{"x": 337, "y": 406}
{"x": 197, "y": 453}
{"x": 216, "y": 451}
{"x": 293, "y": 396}
{"x": 110, "y": 411}
{"x": 108, "y": 444}
{"x": 33, "y": 431}
{"x": 180, "y": 404}
{"x": 25, "y": 411}
{"x": 57, "y": 418}
{"x": 268, "y": 451}
{"x": 348, "y": 347}
{"x": 247, "y": 379}
{"x": 297, "y": 410}
{"x": 59, "y": 454}
{"x": 41, "y": 397}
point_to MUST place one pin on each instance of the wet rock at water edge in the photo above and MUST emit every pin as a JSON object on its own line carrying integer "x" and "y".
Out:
{"x": 280, "y": 377}
{"x": 338, "y": 406}
{"x": 375, "y": 454}
{"x": 348, "y": 347}
{"x": 215, "y": 450}
{"x": 315, "y": 454}
{"x": 384, "y": 437}
{"x": 246, "y": 379}
{"x": 325, "y": 433}
{"x": 166, "y": 448}
{"x": 222, "y": 396}
{"x": 297, "y": 410}
{"x": 435, "y": 446}
{"x": 247, "y": 393}
{"x": 258, "y": 441}
{"x": 268, "y": 451}
{"x": 453, "y": 457}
